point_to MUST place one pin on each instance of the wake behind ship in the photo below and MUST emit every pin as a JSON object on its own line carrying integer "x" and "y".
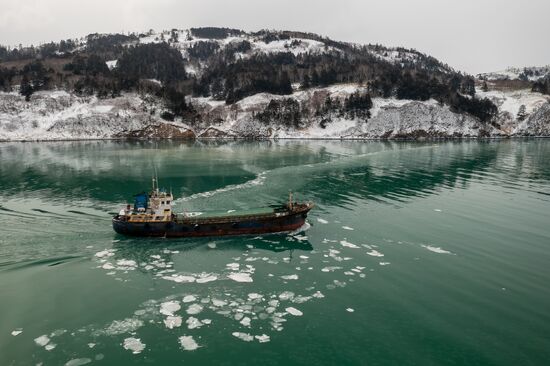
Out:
{"x": 152, "y": 216}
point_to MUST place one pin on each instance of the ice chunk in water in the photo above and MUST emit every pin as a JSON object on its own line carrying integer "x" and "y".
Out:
{"x": 262, "y": 338}
{"x": 193, "y": 323}
{"x": 244, "y": 336}
{"x": 245, "y": 321}
{"x": 240, "y": 277}
{"x": 286, "y": 295}
{"x": 172, "y": 322}
{"x": 322, "y": 221}
{"x": 42, "y": 340}
{"x": 290, "y": 277}
{"x": 254, "y": 296}
{"x": 16, "y": 332}
{"x": 134, "y": 344}
{"x": 194, "y": 309}
{"x": 294, "y": 311}
{"x": 436, "y": 249}
{"x": 169, "y": 307}
{"x": 189, "y": 298}
{"x": 188, "y": 343}
{"x": 347, "y": 228}
{"x": 348, "y": 244}
{"x": 375, "y": 253}
{"x": 78, "y": 362}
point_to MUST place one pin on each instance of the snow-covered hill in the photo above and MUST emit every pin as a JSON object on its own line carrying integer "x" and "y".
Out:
{"x": 533, "y": 73}
{"x": 60, "y": 115}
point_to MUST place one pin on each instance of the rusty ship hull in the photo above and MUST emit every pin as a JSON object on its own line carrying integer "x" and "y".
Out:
{"x": 282, "y": 220}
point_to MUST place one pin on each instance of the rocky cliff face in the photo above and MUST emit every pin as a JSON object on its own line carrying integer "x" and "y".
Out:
{"x": 58, "y": 115}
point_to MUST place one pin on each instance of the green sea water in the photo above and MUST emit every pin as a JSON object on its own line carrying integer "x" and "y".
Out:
{"x": 415, "y": 254}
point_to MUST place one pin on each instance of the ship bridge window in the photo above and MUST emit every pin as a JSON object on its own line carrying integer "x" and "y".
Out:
{"x": 167, "y": 202}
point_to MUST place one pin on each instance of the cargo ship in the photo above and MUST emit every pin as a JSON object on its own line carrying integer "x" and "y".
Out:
{"x": 152, "y": 216}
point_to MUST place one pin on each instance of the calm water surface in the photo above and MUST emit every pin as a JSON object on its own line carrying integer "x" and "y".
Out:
{"x": 416, "y": 254}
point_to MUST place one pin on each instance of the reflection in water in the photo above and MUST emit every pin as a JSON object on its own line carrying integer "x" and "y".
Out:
{"x": 388, "y": 217}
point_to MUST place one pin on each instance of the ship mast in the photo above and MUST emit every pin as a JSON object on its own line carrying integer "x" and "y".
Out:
{"x": 290, "y": 200}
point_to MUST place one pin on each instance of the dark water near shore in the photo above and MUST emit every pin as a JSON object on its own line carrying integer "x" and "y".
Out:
{"x": 416, "y": 254}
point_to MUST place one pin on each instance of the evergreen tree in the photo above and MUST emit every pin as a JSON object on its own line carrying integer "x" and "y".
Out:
{"x": 26, "y": 88}
{"x": 521, "y": 113}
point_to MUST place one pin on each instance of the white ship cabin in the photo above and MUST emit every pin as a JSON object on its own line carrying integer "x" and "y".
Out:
{"x": 155, "y": 206}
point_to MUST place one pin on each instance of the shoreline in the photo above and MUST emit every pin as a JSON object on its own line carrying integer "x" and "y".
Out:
{"x": 372, "y": 139}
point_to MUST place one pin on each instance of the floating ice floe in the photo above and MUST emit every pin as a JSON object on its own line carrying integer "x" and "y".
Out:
{"x": 245, "y": 321}
{"x": 262, "y": 338}
{"x": 330, "y": 269}
{"x": 347, "y": 244}
{"x": 188, "y": 343}
{"x": 286, "y": 295}
{"x": 244, "y": 336}
{"x": 350, "y": 310}
{"x": 179, "y": 278}
{"x": 50, "y": 346}
{"x": 122, "y": 326}
{"x": 169, "y": 307}
{"x": 436, "y": 249}
{"x": 218, "y": 302}
{"x": 322, "y": 221}
{"x": 134, "y": 344}
{"x": 172, "y": 322}
{"x": 212, "y": 245}
{"x": 240, "y": 277}
{"x": 290, "y": 277}
{"x": 204, "y": 278}
{"x": 294, "y": 311}
{"x": 194, "y": 309}
{"x": 16, "y": 332}
{"x": 437, "y": 210}
{"x": 375, "y": 253}
{"x": 126, "y": 264}
{"x": 254, "y": 296}
{"x": 78, "y": 362}
{"x": 105, "y": 253}
{"x": 193, "y": 323}
{"x": 384, "y": 263}
{"x": 318, "y": 295}
{"x": 347, "y": 228}
{"x": 233, "y": 266}
{"x": 42, "y": 340}
{"x": 189, "y": 298}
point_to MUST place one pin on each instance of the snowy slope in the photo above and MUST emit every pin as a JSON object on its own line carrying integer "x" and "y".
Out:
{"x": 515, "y": 73}
{"x": 58, "y": 115}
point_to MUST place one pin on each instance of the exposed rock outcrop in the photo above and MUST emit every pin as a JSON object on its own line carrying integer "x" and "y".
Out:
{"x": 159, "y": 131}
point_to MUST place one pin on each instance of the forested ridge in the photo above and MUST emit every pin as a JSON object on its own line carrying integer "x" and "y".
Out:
{"x": 230, "y": 64}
